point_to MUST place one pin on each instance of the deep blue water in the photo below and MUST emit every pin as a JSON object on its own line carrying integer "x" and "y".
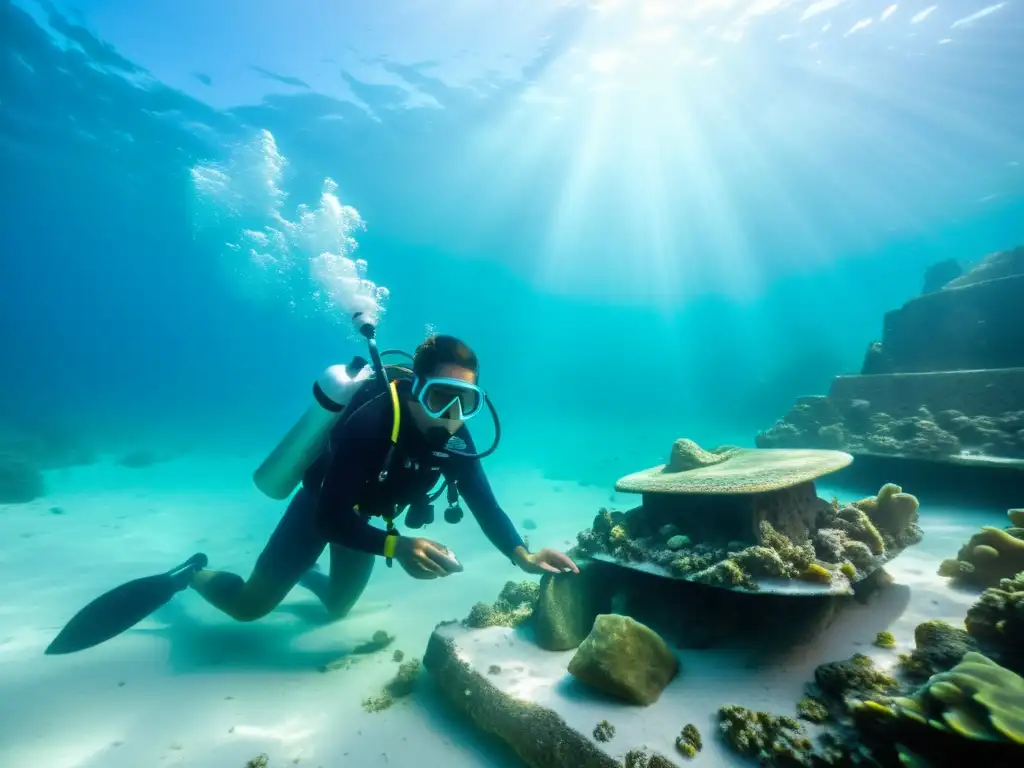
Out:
{"x": 681, "y": 252}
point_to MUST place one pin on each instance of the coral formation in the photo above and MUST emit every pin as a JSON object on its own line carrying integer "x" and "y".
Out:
{"x": 514, "y": 606}
{"x": 260, "y": 761}
{"x": 770, "y": 739}
{"x": 996, "y": 621}
{"x": 812, "y": 710}
{"x": 855, "y": 677}
{"x": 689, "y": 742}
{"x": 625, "y": 659}
{"x": 604, "y": 731}
{"x": 991, "y": 555}
{"x": 820, "y": 422}
{"x": 939, "y": 647}
{"x": 640, "y": 758}
{"x": 885, "y": 639}
{"x": 398, "y": 656}
{"x": 403, "y": 683}
{"x": 842, "y": 544}
{"x": 972, "y": 712}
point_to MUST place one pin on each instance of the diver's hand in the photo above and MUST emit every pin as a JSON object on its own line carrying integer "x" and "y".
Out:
{"x": 424, "y": 559}
{"x": 544, "y": 561}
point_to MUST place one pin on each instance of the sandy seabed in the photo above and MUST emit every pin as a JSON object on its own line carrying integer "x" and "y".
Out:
{"x": 189, "y": 687}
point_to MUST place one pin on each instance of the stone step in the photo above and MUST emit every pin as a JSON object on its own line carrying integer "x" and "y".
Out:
{"x": 972, "y": 392}
{"x": 977, "y": 325}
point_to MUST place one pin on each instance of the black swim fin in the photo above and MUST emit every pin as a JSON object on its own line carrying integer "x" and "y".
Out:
{"x": 123, "y": 607}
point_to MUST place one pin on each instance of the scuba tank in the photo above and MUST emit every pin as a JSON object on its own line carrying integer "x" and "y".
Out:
{"x": 282, "y": 470}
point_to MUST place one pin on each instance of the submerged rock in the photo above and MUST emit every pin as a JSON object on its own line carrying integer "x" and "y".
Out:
{"x": 568, "y": 605}
{"x": 625, "y": 659}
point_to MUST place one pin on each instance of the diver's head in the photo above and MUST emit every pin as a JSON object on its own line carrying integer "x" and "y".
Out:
{"x": 445, "y": 391}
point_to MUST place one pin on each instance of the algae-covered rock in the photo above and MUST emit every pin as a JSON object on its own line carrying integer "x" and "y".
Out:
{"x": 857, "y": 676}
{"x": 567, "y": 605}
{"x": 769, "y": 739}
{"x": 400, "y": 686}
{"x": 514, "y": 606}
{"x": 812, "y": 710}
{"x": 939, "y": 646}
{"x": 996, "y": 621}
{"x": 625, "y": 659}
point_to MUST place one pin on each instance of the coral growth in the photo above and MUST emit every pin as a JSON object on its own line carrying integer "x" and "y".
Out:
{"x": 640, "y": 758}
{"x": 604, "y": 731}
{"x": 855, "y": 677}
{"x": 770, "y": 739}
{"x": 996, "y": 621}
{"x": 403, "y": 683}
{"x": 812, "y": 710}
{"x": 689, "y": 742}
{"x": 991, "y": 555}
{"x": 514, "y": 606}
{"x": 885, "y": 640}
{"x": 820, "y": 422}
{"x": 939, "y": 647}
{"x": 973, "y": 712}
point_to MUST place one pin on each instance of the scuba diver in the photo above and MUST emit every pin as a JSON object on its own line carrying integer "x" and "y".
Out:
{"x": 344, "y": 489}
{"x": 367, "y": 447}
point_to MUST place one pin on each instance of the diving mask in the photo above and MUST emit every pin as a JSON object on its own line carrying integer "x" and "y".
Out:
{"x": 452, "y": 399}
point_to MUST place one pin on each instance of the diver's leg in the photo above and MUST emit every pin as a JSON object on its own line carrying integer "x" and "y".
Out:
{"x": 293, "y": 548}
{"x": 350, "y": 573}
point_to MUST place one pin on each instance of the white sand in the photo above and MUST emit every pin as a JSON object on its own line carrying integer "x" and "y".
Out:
{"x": 189, "y": 687}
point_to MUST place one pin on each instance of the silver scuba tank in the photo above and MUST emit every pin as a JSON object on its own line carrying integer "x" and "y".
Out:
{"x": 283, "y": 469}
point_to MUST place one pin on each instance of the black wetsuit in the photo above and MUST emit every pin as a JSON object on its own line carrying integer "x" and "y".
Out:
{"x": 341, "y": 492}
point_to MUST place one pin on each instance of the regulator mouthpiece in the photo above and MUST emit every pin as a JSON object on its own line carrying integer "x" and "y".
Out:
{"x": 365, "y": 323}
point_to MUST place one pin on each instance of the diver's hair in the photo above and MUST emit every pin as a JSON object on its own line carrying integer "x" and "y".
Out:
{"x": 440, "y": 350}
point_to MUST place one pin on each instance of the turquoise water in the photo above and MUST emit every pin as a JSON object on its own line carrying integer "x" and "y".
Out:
{"x": 650, "y": 220}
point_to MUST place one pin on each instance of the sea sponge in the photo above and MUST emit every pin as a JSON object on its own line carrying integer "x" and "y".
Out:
{"x": 972, "y": 713}
{"x": 1016, "y": 517}
{"x": 992, "y": 554}
{"x": 514, "y": 606}
{"x": 939, "y": 647}
{"x": 764, "y": 737}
